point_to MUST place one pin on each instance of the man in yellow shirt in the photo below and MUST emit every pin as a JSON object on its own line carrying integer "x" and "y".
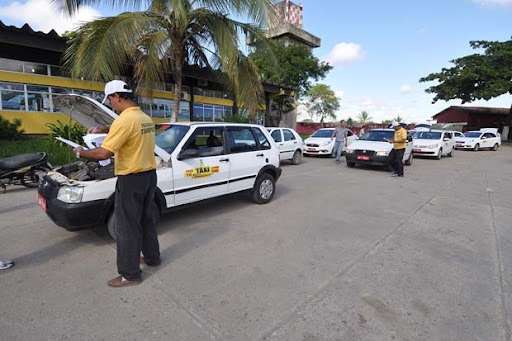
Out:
{"x": 397, "y": 153}
{"x": 131, "y": 139}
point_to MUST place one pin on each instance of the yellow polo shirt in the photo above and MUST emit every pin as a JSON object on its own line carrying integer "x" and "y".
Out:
{"x": 132, "y": 140}
{"x": 400, "y": 134}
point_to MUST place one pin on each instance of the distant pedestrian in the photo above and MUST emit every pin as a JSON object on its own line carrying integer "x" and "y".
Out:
{"x": 396, "y": 155}
{"x": 340, "y": 135}
{"x": 6, "y": 264}
{"x": 362, "y": 131}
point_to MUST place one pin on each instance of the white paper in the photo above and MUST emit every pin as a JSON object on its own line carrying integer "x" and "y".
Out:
{"x": 69, "y": 142}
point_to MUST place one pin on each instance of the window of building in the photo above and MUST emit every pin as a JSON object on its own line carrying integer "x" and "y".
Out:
{"x": 11, "y": 65}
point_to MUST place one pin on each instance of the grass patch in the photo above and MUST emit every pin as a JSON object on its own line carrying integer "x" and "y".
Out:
{"x": 59, "y": 154}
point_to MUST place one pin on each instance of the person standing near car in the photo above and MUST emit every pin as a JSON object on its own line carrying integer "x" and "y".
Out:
{"x": 340, "y": 134}
{"x": 131, "y": 139}
{"x": 396, "y": 155}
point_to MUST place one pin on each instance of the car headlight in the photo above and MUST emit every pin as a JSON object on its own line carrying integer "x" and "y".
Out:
{"x": 382, "y": 153}
{"x": 326, "y": 143}
{"x": 70, "y": 194}
{"x": 349, "y": 151}
{"x": 432, "y": 146}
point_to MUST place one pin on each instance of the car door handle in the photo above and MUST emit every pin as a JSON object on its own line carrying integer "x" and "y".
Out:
{"x": 224, "y": 160}
{"x": 259, "y": 155}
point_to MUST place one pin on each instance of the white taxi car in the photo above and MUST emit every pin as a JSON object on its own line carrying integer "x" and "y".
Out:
{"x": 289, "y": 142}
{"x": 195, "y": 161}
{"x": 437, "y": 143}
{"x": 373, "y": 149}
{"x": 476, "y": 140}
{"x": 320, "y": 142}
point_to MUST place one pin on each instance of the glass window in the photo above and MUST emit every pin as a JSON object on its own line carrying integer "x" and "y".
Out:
{"x": 11, "y": 65}
{"x": 208, "y": 141}
{"x": 208, "y": 113}
{"x": 11, "y": 86}
{"x": 168, "y": 136}
{"x": 218, "y": 113}
{"x": 197, "y": 115}
{"x": 38, "y": 101}
{"x": 276, "y": 135}
{"x": 288, "y": 135}
{"x": 262, "y": 139}
{"x": 40, "y": 69}
{"x": 241, "y": 139}
{"x": 12, "y": 100}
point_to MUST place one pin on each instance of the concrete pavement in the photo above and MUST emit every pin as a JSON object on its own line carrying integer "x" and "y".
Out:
{"x": 339, "y": 254}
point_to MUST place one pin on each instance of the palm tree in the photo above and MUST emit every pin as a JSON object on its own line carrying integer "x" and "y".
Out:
{"x": 169, "y": 35}
{"x": 363, "y": 117}
{"x": 398, "y": 119}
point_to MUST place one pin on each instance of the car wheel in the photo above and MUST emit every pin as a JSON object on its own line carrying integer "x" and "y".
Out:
{"x": 439, "y": 154}
{"x": 451, "y": 152}
{"x": 477, "y": 147}
{"x": 297, "y": 157}
{"x": 495, "y": 147}
{"x": 408, "y": 162}
{"x": 264, "y": 189}
{"x": 111, "y": 222}
{"x": 350, "y": 164}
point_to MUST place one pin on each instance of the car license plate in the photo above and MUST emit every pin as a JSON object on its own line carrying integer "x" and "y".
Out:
{"x": 363, "y": 157}
{"x": 416, "y": 150}
{"x": 311, "y": 149}
{"x": 459, "y": 145}
{"x": 41, "y": 201}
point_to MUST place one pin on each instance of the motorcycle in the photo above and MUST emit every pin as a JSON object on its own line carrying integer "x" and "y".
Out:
{"x": 23, "y": 169}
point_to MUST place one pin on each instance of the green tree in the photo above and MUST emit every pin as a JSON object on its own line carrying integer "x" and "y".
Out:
{"x": 476, "y": 76}
{"x": 350, "y": 121}
{"x": 322, "y": 102}
{"x": 290, "y": 64}
{"x": 363, "y": 117}
{"x": 398, "y": 118}
{"x": 159, "y": 41}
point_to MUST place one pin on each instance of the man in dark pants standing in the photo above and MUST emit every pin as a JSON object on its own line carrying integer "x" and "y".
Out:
{"x": 397, "y": 153}
{"x": 131, "y": 139}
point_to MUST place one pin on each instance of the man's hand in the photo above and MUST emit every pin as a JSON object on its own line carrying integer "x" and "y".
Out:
{"x": 99, "y": 129}
{"x": 77, "y": 151}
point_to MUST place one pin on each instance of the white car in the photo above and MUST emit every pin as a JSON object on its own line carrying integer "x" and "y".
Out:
{"x": 289, "y": 142}
{"x": 476, "y": 140}
{"x": 320, "y": 142}
{"x": 373, "y": 149}
{"x": 195, "y": 161}
{"x": 457, "y": 134}
{"x": 435, "y": 143}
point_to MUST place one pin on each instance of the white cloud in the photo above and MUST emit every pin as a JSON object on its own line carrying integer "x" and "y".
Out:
{"x": 41, "y": 16}
{"x": 344, "y": 53}
{"x": 502, "y": 3}
{"x": 406, "y": 88}
{"x": 339, "y": 94}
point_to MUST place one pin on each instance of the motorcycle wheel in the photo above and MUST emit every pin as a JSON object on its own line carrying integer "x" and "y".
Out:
{"x": 33, "y": 176}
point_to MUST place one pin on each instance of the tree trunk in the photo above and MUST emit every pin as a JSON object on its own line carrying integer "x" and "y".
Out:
{"x": 509, "y": 123}
{"x": 178, "y": 74}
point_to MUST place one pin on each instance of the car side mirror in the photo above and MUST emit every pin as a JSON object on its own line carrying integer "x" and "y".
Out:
{"x": 187, "y": 154}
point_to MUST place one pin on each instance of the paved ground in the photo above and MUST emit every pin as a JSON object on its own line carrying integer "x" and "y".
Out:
{"x": 340, "y": 254}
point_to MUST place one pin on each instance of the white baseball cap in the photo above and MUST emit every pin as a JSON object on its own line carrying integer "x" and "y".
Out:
{"x": 394, "y": 124}
{"x": 115, "y": 86}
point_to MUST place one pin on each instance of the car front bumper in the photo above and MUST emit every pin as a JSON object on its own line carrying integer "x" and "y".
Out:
{"x": 425, "y": 151}
{"x": 373, "y": 160}
{"x": 317, "y": 151}
{"x": 71, "y": 216}
{"x": 464, "y": 146}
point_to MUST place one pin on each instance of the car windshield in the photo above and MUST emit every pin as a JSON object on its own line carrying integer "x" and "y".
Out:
{"x": 167, "y": 136}
{"x": 472, "y": 134}
{"x": 322, "y": 133}
{"x": 378, "y": 135}
{"x": 427, "y": 135}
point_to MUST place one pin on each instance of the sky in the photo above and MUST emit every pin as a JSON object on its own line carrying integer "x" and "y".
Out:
{"x": 378, "y": 49}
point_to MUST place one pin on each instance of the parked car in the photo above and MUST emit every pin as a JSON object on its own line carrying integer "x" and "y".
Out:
{"x": 190, "y": 168}
{"x": 289, "y": 142}
{"x": 476, "y": 140}
{"x": 320, "y": 142}
{"x": 435, "y": 143}
{"x": 457, "y": 134}
{"x": 373, "y": 149}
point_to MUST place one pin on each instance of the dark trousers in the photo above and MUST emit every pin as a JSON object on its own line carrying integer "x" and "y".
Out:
{"x": 135, "y": 222}
{"x": 395, "y": 161}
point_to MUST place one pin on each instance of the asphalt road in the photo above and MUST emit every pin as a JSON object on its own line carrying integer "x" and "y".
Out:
{"x": 339, "y": 254}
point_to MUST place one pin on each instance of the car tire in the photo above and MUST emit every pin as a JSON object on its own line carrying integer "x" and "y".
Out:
{"x": 408, "y": 162}
{"x": 450, "y": 154}
{"x": 111, "y": 222}
{"x": 350, "y": 164}
{"x": 297, "y": 157}
{"x": 495, "y": 147}
{"x": 264, "y": 189}
{"x": 476, "y": 148}
{"x": 439, "y": 154}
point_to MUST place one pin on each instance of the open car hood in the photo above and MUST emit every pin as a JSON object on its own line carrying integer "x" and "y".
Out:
{"x": 89, "y": 113}
{"x": 86, "y": 111}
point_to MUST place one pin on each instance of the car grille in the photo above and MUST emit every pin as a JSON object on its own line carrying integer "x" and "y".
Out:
{"x": 364, "y": 152}
{"x": 312, "y": 145}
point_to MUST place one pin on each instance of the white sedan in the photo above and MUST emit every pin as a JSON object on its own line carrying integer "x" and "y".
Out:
{"x": 289, "y": 142}
{"x": 320, "y": 142}
{"x": 435, "y": 143}
{"x": 476, "y": 140}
